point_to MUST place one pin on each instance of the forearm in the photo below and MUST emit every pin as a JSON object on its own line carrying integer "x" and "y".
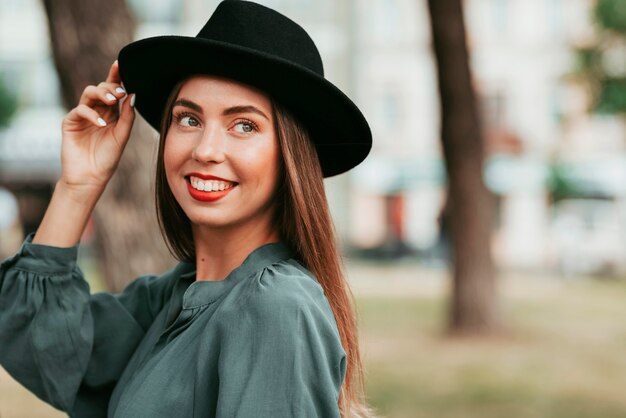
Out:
{"x": 66, "y": 216}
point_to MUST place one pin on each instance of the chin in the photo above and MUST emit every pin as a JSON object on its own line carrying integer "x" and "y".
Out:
{"x": 212, "y": 221}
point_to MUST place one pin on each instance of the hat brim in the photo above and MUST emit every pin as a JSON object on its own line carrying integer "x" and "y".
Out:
{"x": 151, "y": 67}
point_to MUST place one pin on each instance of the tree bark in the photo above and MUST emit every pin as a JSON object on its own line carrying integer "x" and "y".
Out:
{"x": 474, "y": 304}
{"x": 86, "y": 38}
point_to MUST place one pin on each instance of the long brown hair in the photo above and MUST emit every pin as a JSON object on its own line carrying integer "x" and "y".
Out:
{"x": 304, "y": 222}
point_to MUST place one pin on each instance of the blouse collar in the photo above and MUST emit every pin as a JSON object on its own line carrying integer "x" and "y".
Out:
{"x": 203, "y": 292}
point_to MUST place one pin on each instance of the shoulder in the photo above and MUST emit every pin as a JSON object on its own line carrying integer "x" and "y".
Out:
{"x": 288, "y": 281}
{"x": 283, "y": 293}
{"x": 292, "y": 286}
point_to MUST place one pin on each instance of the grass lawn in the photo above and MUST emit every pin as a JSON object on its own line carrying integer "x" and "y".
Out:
{"x": 563, "y": 353}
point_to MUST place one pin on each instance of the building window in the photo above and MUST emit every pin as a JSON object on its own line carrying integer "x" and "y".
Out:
{"x": 493, "y": 107}
{"x": 157, "y": 11}
{"x": 389, "y": 111}
{"x": 14, "y": 6}
{"x": 500, "y": 13}
{"x": 556, "y": 17}
{"x": 386, "y": 20}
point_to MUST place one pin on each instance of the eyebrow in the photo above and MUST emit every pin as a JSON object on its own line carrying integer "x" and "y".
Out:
{"x": 229, "y": 111}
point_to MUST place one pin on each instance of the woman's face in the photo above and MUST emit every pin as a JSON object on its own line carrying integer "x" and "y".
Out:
{"x": 221, "y": 153}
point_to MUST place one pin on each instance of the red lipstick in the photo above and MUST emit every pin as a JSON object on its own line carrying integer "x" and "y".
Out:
{"x": 205, "y": 196}
{"x": 208, "y": 177}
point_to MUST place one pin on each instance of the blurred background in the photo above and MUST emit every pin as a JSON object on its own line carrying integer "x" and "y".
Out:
{"x": 485, "y": 235}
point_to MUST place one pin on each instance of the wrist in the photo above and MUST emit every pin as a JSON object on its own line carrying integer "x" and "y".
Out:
{"x": 79, "y": 193}
{"x": 67, "y": 215}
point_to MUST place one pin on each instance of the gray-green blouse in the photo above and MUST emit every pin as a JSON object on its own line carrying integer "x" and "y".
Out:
{"x": 261, "y": 343}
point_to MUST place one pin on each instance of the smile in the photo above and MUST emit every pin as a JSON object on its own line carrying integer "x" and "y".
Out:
{"x": 208, "y": 190}
{"x": 210, "y": 185}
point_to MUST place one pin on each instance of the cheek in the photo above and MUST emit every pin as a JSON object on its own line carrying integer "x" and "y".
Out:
{"x": 272, "y": 172}
{"x": 171, "y": 162}
{"x": 172, "y": 155}
{"x": 260, "y": 165}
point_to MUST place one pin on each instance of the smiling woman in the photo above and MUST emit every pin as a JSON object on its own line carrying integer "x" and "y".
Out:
{"x": 222, "y": 130}
{"x": 256, "y": 320}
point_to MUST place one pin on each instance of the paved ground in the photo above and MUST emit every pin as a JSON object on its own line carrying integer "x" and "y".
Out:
{"x": 405, "y": 279}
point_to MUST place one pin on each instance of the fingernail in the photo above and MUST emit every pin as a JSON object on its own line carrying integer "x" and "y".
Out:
{"x": 115, "y": 62}
{"x": 109, "y": 96}
{"x": 132, "y": 100}
{"x": 102, "y": 122}
{"x": 120, "y": 90}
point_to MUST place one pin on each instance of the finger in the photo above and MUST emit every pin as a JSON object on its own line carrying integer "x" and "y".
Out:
{"x": 92, "y": 95}
{"x": 125, "y": 121}
{"x": 114, "y": 73}
{"x": 115, "y": 88}
{"x": 84, "y": 112}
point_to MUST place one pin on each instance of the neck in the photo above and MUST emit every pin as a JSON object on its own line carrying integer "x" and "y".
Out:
{"x": 220, "y": 250}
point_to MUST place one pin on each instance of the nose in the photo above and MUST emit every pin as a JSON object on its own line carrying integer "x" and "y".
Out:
{"x": 210, "y": 148}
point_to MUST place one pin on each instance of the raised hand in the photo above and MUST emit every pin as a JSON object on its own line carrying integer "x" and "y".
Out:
{"x": 95, "y": 133}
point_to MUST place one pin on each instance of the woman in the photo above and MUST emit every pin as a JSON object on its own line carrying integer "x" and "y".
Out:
{"x": 256, "y": 319}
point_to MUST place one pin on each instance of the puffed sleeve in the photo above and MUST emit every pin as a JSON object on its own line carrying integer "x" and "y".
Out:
{"x": 281, "y": 354}
{"x": 66, "y": 346}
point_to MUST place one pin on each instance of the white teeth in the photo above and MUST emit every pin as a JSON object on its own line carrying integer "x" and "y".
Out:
{"x": 209, "y": 185}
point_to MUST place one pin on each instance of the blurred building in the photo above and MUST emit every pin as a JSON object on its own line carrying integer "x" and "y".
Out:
{"x": 30, "y": 146}
{"x": 379, "y": 53}
{"x": 560, "y": 200}
{"x": 538, "y": 135}
{"x": 398, "y": 190}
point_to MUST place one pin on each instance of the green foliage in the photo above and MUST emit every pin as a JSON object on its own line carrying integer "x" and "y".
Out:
{"x": 612, "y": 97}
{"x": 611, "y": 14}
{"x": 601, "y": 66}
{"x": 588, "y": 59}
{"x": 8, "y": 104}
{"x": 559, "y": 185}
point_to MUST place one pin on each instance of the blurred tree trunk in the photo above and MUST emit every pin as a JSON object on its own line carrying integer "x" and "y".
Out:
{"x": 86, "y": 37}
{"x": 474, "y": 305}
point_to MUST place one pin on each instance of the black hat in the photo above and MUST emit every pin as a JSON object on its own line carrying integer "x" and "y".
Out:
{"x": 258, "y": 46}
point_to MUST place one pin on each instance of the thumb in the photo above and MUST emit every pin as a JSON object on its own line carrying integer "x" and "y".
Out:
{"x": 127, "y": 117}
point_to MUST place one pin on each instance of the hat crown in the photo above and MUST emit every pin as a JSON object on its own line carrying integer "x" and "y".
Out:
{"x": 254, "y": 26}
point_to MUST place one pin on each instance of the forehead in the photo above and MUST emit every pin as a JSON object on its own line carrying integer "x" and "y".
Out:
{"x": 204, "y": 88}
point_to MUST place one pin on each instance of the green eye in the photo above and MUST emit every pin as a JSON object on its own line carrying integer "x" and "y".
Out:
{"x": 245, "y": 127}
{"x": 189, "y": 121}
{"x": 186, "y": 119}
